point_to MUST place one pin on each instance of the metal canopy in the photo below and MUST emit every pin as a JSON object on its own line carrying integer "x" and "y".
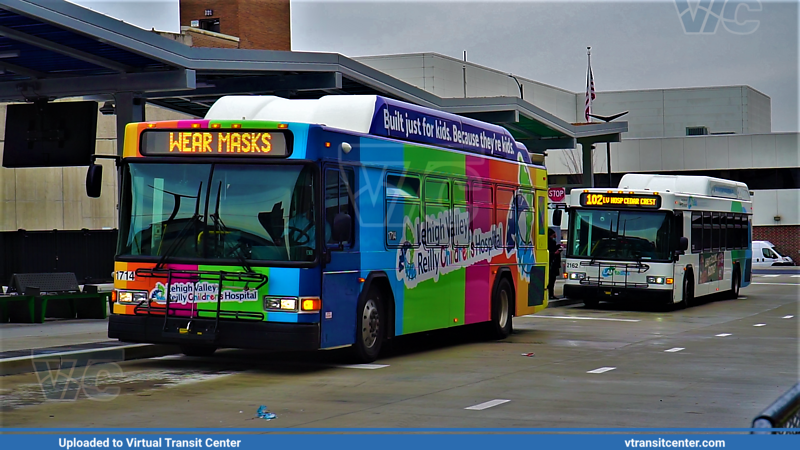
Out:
{"x": 56, "y": 49}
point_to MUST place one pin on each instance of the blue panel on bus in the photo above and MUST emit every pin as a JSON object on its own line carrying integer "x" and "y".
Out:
{"x": 289, "y": 317}
{"x": 300, "y": 132}
{"x": 283, "y": 281}
{"x": 340, "y": 298}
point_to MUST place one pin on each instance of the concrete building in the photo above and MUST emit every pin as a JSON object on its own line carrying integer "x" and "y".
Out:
{"x": 717, "y": 131}
{"x": 724, "y": 132}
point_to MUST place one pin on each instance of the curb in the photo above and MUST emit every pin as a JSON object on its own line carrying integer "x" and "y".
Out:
{"x": 564, "y": 302}
{"x": 79, "y": 358}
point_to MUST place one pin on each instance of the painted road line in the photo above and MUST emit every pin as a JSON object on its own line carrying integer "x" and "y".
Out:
{"x": 787, "y": 317}
{"x": 602, "y": 370}
{"x": 363, "y": 366}
{"x": 534, "y": 316}
{"x": 778, "y": 284}
{"x": 770, "y": 276}
{"x": 795, "y": 276}
{"x": 723, "y": 335}
{"x": 486, "y": 405}
{"x": 675, "y": 349}
{"x": 760, "y": 325}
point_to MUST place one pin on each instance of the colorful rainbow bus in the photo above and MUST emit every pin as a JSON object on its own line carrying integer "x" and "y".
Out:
{"x": 319, "y": 224}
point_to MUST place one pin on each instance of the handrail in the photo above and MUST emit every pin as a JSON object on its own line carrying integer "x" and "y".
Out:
{"x": 783, "y": 413}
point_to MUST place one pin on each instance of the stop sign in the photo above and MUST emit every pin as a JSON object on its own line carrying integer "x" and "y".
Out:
{"x": 557, "y": 194}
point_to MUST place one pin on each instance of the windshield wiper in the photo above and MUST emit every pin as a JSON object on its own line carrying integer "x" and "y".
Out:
{"x": 181, "y": 238}
{"x": 219, "y": 226}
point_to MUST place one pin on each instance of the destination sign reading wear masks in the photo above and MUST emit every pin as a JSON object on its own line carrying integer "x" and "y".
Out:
{"x": 621, "y": 200}
{"x": 207, "y": 142}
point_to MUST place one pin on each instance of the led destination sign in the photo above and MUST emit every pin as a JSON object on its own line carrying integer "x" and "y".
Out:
{"x": 215, "y": 143}
{"x": 621, "y": 200}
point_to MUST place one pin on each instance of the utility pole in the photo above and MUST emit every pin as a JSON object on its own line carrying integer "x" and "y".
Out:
{"x": 464, "y": 68}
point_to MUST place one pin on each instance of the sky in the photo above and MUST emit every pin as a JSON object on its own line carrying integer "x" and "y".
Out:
{"x": 635, "y": 45}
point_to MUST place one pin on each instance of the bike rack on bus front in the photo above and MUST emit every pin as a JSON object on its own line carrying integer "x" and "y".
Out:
{"x": 628, "y": 267}
{"x": 196, "y": 276}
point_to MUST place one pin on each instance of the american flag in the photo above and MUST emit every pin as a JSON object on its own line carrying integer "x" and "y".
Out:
{"x": 589, "y": 92}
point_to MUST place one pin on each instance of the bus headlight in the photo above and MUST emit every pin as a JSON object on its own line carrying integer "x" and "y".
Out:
{"x": 577, "y": 275}
{"x": 131, "y": 297}
{"x": 656, "y": 280}
{"x": 280, "y": 303}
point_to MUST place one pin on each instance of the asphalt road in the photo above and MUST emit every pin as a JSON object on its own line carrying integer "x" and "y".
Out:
{"x": 717, "y": 364}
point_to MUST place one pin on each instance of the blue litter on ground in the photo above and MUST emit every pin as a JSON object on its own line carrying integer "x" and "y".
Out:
{"x": 262, "y": 413}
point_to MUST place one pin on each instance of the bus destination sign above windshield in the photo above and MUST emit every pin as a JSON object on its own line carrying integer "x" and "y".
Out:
{"x": 223, "y": 143}
{"x": 610, "y": 200}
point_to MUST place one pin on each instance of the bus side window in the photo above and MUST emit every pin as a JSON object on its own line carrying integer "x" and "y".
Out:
{"x": 737, "y": 231}
{"x": 437, "y": 203}
{"x": 481, "y": 213}
{"x": 697, "y": 232}
{"x": 730, "y": 240}
{"x": 506, "y": 214}
{"x": 526, "y": 218}
{"x": 743, "y": 236}
{"x": 715, "y": 231}
{"x": 722, "y": 232}
{"x": 339, "y": 198}
{"x": 402, "y": 210}
{"x": 461, "y": 224}
{"x": 706, "y": 231}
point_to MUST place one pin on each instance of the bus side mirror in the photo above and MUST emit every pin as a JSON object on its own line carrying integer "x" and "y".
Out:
{"x": 683, "y": 244}
{"x": 94, "y": 180}
{"x": 557, "y": 217}
{"x": 342, "y": 224}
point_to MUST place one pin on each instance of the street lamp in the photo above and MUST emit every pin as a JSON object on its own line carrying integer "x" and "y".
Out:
{"x": 608, "y": 144}
{"x": 519, "y": 85}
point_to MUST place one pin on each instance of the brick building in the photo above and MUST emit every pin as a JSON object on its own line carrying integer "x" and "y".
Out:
{"x": 258, "y": 24}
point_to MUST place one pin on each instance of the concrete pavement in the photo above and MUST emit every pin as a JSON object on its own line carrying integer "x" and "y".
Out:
{"x": 712, "y": 365}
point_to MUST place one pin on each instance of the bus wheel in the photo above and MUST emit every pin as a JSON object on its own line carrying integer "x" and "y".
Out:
{"x": 688, "y": 292}
{"x": 502, "y": 310}
{"x": 370, "y": 329}
{"x": 198, "y": 350}
{"x": 735, "y": 282}
{"x": 591, "y": 302}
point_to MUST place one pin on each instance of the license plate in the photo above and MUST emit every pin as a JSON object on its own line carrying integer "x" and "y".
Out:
{"x": 608, "y": 292}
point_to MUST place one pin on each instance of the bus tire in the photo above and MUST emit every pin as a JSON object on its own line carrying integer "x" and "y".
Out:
{"x": 198, "y": 350}
{"x": 736, "y": 282}
{"x": 371, "y": 329}
{"x": 591, "y": 302}
{"x": 502, "y": 310}
{"x": 688, "y": 291}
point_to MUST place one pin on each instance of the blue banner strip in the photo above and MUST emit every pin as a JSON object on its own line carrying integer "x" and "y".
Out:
{"x": 392, "y": 441}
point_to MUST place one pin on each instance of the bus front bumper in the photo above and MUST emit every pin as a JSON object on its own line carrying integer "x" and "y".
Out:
{"x": 249, "y": 334}
{"x": 618, "y": 293}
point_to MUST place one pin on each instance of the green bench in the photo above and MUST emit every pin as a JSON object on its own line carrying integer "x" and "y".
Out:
{"x": 32, "y": 297}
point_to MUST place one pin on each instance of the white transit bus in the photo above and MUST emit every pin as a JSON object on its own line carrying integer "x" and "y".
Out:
{"x": 659, "y": 238}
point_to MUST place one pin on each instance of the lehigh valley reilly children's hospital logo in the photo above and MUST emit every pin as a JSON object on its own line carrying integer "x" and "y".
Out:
{"x": 705, "y": 16}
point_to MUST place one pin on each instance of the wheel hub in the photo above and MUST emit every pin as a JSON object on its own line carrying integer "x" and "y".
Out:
{"x": 503, "y": 319}
{"x": 370, "y": 322}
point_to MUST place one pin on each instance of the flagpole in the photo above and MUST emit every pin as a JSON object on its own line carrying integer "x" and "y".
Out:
{"x": 589, "y": 80}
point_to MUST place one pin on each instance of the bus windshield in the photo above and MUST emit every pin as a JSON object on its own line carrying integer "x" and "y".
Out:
{"x": 620, "y": 235}
{"x": 218, "y": 212}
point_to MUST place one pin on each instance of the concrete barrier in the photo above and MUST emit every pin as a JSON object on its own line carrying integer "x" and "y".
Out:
{"x": 78, "y": 358}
